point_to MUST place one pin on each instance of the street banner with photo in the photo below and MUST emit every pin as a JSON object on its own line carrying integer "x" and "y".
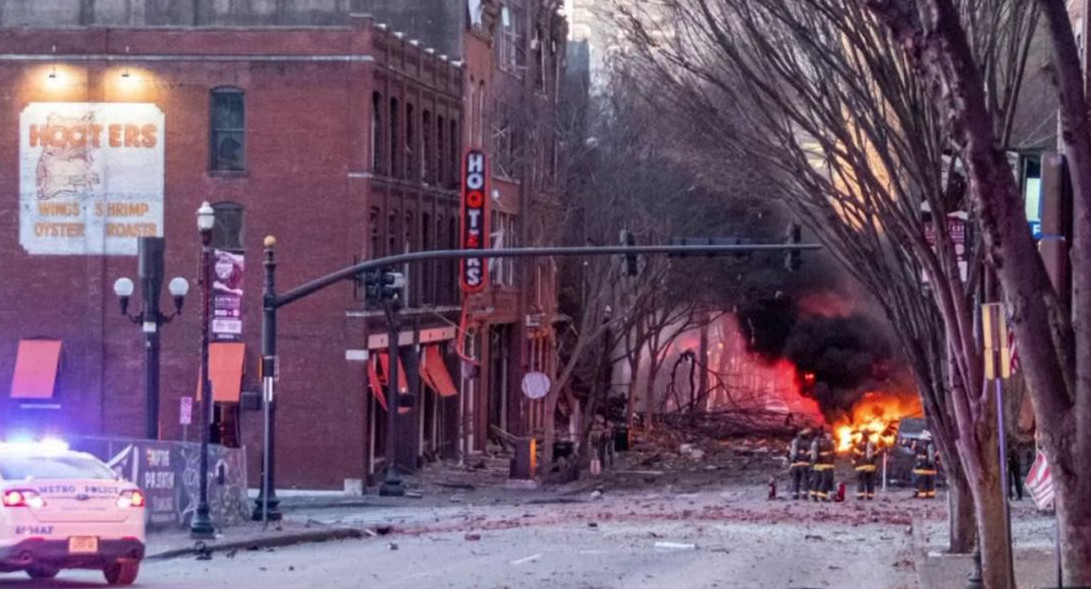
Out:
{"x": 958, "y": 231}
{"x": 91, "y": 177}
{"x": 227, "y": 274}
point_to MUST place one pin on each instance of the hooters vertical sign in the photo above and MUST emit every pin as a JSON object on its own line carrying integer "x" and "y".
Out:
{"x": 475, "y": 220}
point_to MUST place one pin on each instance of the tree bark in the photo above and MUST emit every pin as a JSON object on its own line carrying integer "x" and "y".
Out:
{"x": 961, "y": 522}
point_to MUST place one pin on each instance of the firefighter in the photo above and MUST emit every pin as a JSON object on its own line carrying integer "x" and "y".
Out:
{"x": 926, "y": 467}
{"x": 865, "y": 453}
{"x": 799, "y": 464}
{"x": 821, "y": 466}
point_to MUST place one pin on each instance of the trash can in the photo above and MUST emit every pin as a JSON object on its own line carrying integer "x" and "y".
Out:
{"x": 563, "y": 449}
{"x": 524, "y": 463}
{"x": 621, "y": 438}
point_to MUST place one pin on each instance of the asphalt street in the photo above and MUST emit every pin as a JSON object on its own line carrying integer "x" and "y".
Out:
{"x": 575, "y": 555}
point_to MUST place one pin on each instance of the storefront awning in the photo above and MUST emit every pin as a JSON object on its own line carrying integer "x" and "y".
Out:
{"x": 436, "y": 374}
{"x": 374, "y": 382}
{"x": 35, "y": 369}
{"x": 225, "y": 362}
{"x": 403, "y": 382}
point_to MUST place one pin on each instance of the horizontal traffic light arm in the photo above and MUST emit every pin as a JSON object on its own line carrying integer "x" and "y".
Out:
{"x": 351, "y": 272}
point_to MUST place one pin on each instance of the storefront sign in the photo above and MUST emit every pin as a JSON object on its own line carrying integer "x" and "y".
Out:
{"x": 227, "y": 273}
{"x": 90, "y": 177}
{"x": 475, "y": 220}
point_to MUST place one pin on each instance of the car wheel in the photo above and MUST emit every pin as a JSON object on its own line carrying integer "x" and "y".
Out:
{"x": 42, "y": 572}
{"x": 122, "y": 572}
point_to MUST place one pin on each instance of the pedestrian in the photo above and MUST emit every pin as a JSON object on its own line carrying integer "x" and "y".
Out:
{"x": 799, "y": 463}
{"x": 821, "y": 466}
{"x": 864, "y": 457}
{"x": 926, "y": 466}
{"x": 1015, "y": 470}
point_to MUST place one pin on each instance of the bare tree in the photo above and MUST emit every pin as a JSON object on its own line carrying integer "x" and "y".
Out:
{"x": 1055, "y": 343}
{"x": 824, "y": 102}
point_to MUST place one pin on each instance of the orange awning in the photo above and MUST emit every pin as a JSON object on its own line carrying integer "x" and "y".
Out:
{"x": 436, "y": 373}
{"x": 35, "y": 369}
{"x": 403, "y": 383}
{"x": 374, "y": 383}
{"x": 225, "y": 362}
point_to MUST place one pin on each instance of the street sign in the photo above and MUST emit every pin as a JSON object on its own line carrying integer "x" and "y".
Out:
{"x": 994, "y": 325}
{"x": 185, "y": 411}
{"x": 1039, "y": 482}
{"x": 535, "y": 385}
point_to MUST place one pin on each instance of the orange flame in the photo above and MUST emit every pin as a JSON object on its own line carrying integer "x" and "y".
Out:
{"x": 876, "y": 415}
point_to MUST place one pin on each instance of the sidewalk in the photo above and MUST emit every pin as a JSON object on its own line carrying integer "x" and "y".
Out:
{"x": 1035, "y": 561}
{"x": 248, "y": 536}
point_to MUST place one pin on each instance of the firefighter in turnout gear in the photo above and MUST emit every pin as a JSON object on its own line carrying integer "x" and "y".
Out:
{"x": 865, "y": 454}
{"x": 822, "y": 466}
{"x": 799, "y": 463}
{"x": 926, "y": 467}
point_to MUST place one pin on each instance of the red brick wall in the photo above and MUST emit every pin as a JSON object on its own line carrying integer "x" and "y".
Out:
{"x": 307, "y": 131}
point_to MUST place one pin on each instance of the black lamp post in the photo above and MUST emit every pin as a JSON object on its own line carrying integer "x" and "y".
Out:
{"x": 150, "y": 318}
{"x": 266, "y": 507}
{"x": 201, "y": 526}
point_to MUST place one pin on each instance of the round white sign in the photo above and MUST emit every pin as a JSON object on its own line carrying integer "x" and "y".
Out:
{"x": 535, "y": 385}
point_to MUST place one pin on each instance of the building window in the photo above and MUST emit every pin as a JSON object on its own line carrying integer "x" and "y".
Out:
{"x": 441, "y": 148}
{"x": 227, "y": 233}
{"x": 426, "y": 148}
{"x": 376, "y": 132}
{"x": 394, "y": 159}
{"x": 410, "y": 143}
{"x": 453, "y": 142}
{"x": 376, "y": 243}
{"x": 502, "y": 235}
{"x": 228, "y": 130}
{"x": 509, "y": 50}
{"x": 392, "y": 233}
{"x": 452, "y": 243}
{"x": 427, "y": 268}
{"x": 503, "y": 144}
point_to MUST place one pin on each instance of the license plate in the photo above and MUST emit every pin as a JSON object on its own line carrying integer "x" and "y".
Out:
{"x": 83, "y": 544}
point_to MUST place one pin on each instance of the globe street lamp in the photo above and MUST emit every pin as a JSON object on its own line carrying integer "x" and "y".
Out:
{"x": 150, "y": 318}
{"x": 201, "y": 526}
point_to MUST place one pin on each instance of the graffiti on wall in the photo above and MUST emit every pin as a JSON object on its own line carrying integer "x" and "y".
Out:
{"x": 169, "y": 474}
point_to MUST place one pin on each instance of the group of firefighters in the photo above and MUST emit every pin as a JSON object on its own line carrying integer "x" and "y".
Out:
{"x": 811, "y": 464}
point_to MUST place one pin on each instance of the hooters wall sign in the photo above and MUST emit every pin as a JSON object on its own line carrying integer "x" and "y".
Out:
{"x": 475, "y": 220}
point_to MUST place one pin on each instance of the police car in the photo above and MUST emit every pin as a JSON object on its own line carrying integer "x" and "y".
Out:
{"x": 61, "y": 509}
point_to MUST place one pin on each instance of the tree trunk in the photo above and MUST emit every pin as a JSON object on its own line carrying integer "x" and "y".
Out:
{"x": 991, "y": 529}
{"x": 960, "y": 513}
{"x": 1073, "y": 515}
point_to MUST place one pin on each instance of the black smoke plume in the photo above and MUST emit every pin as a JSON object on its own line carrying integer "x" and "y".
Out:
{"x": 837, "y": 358}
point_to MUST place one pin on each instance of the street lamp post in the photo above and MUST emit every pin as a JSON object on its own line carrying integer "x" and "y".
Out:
{"x": 266, "y": 507}
{"x": 150, "y": 318}
{"x": 201, "y": 526}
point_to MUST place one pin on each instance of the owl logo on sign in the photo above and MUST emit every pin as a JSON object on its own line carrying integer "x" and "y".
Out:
{"x": 65, "y": 167}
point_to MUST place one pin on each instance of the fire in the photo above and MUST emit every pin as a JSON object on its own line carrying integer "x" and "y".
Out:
{"x": 877, "y": 415}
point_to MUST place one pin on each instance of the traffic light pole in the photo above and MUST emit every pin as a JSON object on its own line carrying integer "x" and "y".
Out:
{"x": 266, "y": 504}
{"x": 392, "y": 485}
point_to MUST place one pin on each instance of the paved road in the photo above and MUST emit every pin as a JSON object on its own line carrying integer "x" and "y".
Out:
{"x": 567, "y": 556}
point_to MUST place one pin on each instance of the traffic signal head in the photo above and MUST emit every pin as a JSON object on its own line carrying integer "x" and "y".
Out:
{"x": 629, "y": 240}
{"x": 792, "y": 259}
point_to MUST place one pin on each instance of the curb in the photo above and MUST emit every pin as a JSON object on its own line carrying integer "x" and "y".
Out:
{"x": 264, "y": 542}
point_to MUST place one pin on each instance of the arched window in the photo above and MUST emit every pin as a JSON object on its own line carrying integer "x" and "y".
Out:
{"x": 441, "y": 153}
{"x": 227, "y": 130}
{"x": 410, "y": 143}
{"x": 376, "y": 132}
{"x": 426, "y": 148}
{"x": 394, "y": 154}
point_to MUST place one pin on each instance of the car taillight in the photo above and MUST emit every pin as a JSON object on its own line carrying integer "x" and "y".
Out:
{"x": 132, "y": 498}
{"x": 24, "y": 498}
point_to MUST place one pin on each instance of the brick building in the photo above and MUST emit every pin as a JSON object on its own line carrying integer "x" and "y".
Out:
{"x": 514, "y": 54}
{"x": 328, "y": 130}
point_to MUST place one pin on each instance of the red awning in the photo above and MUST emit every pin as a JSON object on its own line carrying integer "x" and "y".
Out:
{"x": 225, "y": 364}
{"x": 374, "y": 383}
{"x": 436, "y": 374}
{"x": 35, "y": 369}
{"x": 403, "y": 381}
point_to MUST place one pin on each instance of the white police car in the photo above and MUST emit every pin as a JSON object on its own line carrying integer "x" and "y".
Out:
{"x": 61, "y": 509}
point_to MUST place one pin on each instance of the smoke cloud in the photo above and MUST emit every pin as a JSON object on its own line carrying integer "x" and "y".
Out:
{"x": 838, "y": 357}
